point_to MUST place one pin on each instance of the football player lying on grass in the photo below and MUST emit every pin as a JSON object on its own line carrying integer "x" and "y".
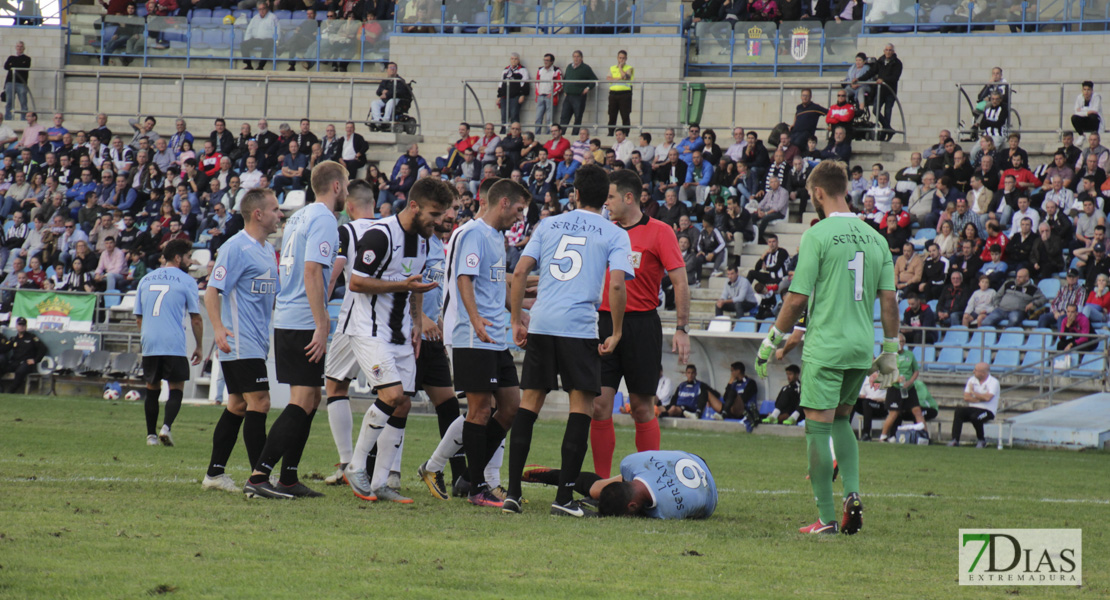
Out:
{"x": 659, "y": 484}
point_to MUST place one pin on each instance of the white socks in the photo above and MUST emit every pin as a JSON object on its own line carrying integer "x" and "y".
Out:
{"x": 389, "y": 450}
{"x": 774, "y": 414}
{"x": 448, "y": 446}
{"x": 339, "y": 417}
{"x": 396, "y": 467}
{"x": 493, "y": 469}
{"x": 373, "y": 424}
{"x": 794, "y": 415}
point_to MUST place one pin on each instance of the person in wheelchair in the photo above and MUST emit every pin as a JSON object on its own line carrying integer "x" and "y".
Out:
{"x": 394, "y": 100}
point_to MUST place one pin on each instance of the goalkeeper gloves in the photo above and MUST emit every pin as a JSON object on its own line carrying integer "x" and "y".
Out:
{"x": 887, "y": 364}
{"x": 767, "y": 350}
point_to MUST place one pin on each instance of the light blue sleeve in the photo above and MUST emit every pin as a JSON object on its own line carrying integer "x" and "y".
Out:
{"x": 534, "y": 246}
{"x": 620, "y": 250}
{"x": 138, "y": 310}
{"x": 468, "y": 260}
{"x": 323, "y": 239}
{"x": 192, "y": 297}
{"x": 224, "y": 278}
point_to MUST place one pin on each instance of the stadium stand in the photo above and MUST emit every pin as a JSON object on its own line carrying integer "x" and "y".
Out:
{"x": 735, "y": 179}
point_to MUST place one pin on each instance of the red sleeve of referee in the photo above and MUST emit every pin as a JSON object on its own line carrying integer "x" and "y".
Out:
{"x": 667, "y": 247}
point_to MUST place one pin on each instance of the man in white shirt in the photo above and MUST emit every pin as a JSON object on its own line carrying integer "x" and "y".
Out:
{"x": 252, "y": 177}
{"x": 549, "y": 84}
{"x": 881, "y": 192}
{"x": 662, "y": 150}
{"x": 1059, "y": 194}
{"x": 736, "y": 150}
{"x": 664, "y": 390}
{"x": 262, "y": 30}
{"x": 623, "y": 147}
{"x": 1087, "y": 115}
{"x": 981, "y": 394}
{"x": 7, "y": 135}
{"x": 1023, "y": 212}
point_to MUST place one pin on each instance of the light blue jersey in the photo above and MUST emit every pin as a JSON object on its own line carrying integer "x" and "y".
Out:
{"x": 311, "y": 234}
{"x": 480, "y": 251}
{"x": 680, "y": 483}
{"x": 434, "y": 269}
{"x": 165, "y": 298}
{"x": 573, "y": 251}
{"x": 245, "y": 272}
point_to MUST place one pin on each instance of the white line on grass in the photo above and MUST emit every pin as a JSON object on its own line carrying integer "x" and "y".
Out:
{"x": 925, "y": 496}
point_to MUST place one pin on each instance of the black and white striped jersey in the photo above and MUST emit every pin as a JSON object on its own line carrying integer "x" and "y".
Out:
{"x": 387, "y": 252}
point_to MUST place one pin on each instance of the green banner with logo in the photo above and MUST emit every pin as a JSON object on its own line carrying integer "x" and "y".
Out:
{"x": 49, "y": 311}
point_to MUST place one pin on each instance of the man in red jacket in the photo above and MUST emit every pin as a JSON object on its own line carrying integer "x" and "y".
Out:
{"x": 841, "y": 113}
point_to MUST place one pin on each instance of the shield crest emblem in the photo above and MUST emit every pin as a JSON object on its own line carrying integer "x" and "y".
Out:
{"x": 799, "y": 43}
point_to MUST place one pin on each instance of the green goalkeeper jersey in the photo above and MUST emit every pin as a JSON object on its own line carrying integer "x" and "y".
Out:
{"x": 842, "y": 264}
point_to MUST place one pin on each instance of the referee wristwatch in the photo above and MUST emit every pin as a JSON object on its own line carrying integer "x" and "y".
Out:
{"x": 681, "y": 328}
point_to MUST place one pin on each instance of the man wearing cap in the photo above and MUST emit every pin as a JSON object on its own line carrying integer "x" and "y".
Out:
{"x": 1071, "y": 292}
{"x": 26, "y": 352}
{"x": 1097, "y": 263}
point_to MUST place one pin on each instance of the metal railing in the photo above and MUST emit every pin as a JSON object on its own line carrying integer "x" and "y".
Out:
{"x": 1039, "y": 16}
{"x": 681, "y": 96}
{"x": 194, "y": 96}
{"x": 536, "y": 18}
{"x": 1047, "y": 107}
{"x": 136, "y": 39}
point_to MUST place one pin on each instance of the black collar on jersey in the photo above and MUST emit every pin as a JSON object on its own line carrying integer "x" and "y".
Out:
{"x": 643, "y": 221}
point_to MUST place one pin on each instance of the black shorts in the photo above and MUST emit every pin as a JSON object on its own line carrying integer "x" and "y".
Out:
{"x": 573, "y": 360}
{"x": 290, "y": 361}
{"x": 483, "y": 370}
{"x": 896, "y": 403}
{"x": 639, "y": 354}
{"x": 165, "y": 368}
{"x": 245, "y": 375}
{"x": 432, "y": 366}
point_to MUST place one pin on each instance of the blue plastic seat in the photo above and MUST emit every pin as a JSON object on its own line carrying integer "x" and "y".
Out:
{"x": 974, "y": 357}
{"x": 766, "y": 407}
{"x": 1032, "y": 362}
{"x": 933, "y": 305}
{"x": 1049, "y": 287}
{"x": 744, "y": 326}
{"x": 618, "y": 401}
{"x": 876, "y": 312}
{"x": 220, "y": 13}
{"x": 902, "y": 306}
{"x": 1012, "y": 337}
{"x": 1004, "y": 360}
{"x": 201, "y": 13}
{"x": 948, "y": 358}
{"x": 953, "y": 338}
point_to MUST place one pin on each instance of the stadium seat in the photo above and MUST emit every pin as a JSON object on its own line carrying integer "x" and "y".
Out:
{"x": 744, "y": 326}
{"x": 719, "y": 324}
{"x": 96, "y": 364}
{"x": 618, "y": 402}
{"x": 124, "y": 365}
{"x": 974, "y": 357}
{"x": 953, "y": 338}
{"x": 766, "y": 407}
{"x": 200, "y": 262}
{"x": 200, "y": 13}
{"x": 902, "y": 306}
{"x": 1037, "y": 341}
{"x": 294, "y": 200}
{"x": 1005, "y": 360}
{"x": 948, "y": 358}
{"x": 1050, "y": 287}
{"x": 69, "y": 362}
{"x": 933, "y": 305}
{"x": 1032, "y": 362}
{"x": 876, "y": 313}
{"x": 1012, "y": 337}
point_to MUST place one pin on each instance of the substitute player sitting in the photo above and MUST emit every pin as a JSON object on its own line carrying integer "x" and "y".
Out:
{"x": 843, "y": 264}
{"x": 660, "y": 484}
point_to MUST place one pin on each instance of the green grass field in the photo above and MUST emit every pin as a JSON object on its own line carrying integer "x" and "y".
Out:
{"x": 87, "y": 510}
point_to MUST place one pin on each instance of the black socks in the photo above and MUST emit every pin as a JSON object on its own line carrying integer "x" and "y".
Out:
{"x": 519, "y": 445}
{"x": 575, "y": 442}
{"x": 223, "y": 440}
{"x": 150, "y": 407}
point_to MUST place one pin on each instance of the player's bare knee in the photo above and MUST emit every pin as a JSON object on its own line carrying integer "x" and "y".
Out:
{"x": 258, "y": 402}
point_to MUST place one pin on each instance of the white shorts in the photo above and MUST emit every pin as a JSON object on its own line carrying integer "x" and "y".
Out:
{"x": 340, "y": 363}
{"x": 385, "y": 364}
